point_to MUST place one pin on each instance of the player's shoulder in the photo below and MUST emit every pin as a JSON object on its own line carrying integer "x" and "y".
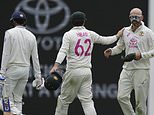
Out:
{"x": 127, "y": 28}
{"x": 31, "y": 33}
{"x": 15, "y": 29}
{"x": 92, "y": 32}
{"x": 10, "y": 30}
{"x": 146, "y": 28}
{"x": 70, "y": 32}
{"x": 67, "y": 33}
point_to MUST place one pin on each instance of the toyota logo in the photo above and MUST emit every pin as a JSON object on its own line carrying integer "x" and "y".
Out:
{"x": 46, "y": 16}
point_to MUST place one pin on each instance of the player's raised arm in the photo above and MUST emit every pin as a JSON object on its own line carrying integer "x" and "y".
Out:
{"x": 105, "y": 40}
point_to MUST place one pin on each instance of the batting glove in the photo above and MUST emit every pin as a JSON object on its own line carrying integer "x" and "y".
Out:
{"x": 2, "y": 79}
{"x": 38, "y": 83}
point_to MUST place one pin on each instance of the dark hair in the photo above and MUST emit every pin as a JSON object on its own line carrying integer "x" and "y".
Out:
{"x": 19, "y": 21}
{"x": 78, "y": 22}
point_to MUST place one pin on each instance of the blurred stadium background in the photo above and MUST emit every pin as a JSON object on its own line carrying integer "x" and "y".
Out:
{"x": 48, "y": 20}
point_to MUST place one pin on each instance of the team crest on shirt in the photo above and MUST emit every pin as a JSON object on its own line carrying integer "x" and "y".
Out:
{"x": 133, "y": 42}
{"x": 141, "y": 33}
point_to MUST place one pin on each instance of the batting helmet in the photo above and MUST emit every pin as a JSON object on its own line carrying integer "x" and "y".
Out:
{"x": 53, "y": 81}
{"x": 18, "y": 15}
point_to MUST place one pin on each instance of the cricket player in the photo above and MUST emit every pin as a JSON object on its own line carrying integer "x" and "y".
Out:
{"x": 138, "y": 43}
{"x": 77, "y": 47}
{"x": 19, "y": 45}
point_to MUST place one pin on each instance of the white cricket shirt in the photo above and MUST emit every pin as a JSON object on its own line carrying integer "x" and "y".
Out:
{"x": 142, "y": 40}
{"x": 77, "y": 46}
{"x": 19, "y": 45}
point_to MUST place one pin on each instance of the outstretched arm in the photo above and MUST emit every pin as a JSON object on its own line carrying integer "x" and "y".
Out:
{"x": 115, "y": 50}
{"x": 105, "y": 40}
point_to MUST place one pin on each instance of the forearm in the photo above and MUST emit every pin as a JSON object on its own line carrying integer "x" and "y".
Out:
{"x": 108, "y": 40}
{"x": 4, "y": 63}
{"x": 116, "y": 50}
{"x": 60, "y": 57}
{"x": 36, "y": 67}
{"x": 148, "y": 54}
{"x": 56, "y": 64}
{"x": 6, "y": 53}
{"x": 36, "y": 64}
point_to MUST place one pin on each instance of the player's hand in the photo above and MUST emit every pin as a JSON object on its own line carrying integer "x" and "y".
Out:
{"x": 132, "y": 56}
{"x": 107, "y": 52}
{"x": 138, "y": 56}
{"x": 38, "y": 83}
{"x": 54, "y": 68}
{"x": 120, "y": 33}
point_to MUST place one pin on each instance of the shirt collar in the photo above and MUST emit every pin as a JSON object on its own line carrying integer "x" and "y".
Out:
{"x": 19, "y": 26}
{"x": 78, "y": 27}
{"x": 142, "y": 24}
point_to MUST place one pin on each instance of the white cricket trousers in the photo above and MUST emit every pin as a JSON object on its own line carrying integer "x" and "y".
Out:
{"x": 16, "y": 80}
{"x": 139, "y": 81}
{"x": 76, "y": 83}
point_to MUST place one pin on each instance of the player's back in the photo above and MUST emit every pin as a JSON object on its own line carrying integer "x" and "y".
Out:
{"x": 80, "y": 48}
{"x": 22, "y": 42}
